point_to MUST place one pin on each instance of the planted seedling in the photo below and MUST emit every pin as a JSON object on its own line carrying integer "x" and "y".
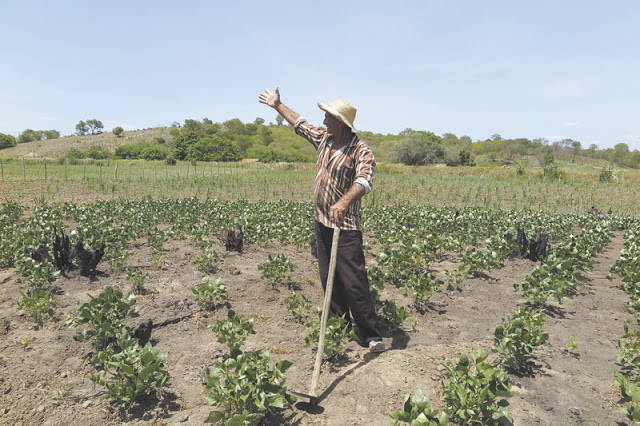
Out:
{"x": 337, "y": 335}
{"x": 210, "y": 295}
{"x": 276, "y": 270}
{"x": 296, "y": 304}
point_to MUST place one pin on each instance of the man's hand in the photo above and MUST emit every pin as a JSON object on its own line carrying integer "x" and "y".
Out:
{"x": 337, "y": 212}
{"x": 270, "y": 99}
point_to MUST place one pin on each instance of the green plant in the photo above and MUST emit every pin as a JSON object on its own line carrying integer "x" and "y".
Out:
{"x": 416, "y": 410}
{"x": 517, "y": 337}
{"x": 63, "y": 390}
{"x": 337, "y": 334}
{"x": 471, "y": 387}
{"x": 208, "y": 263}
{"x": 392, "y": 316}
{"x": 103, "y": 316}
{"x": 276, "y": 269}
{"x": 606, "y": 174}
{"x": 244, "y": 388}
{"x": 210, "y": 295}
{"x": 39, "y": 303}
{"x": 131, "y": 373}
{"x": 422, "y": 287}
{"x": 39, "y": 275}
{"x": 573, "y": 346}
{"x": 137, "y": 279}
{"x": 233, "y": 331}
{"x": 630, "y": 394}
{"x": 25, "y": 342}
{"x": 117, "y": 258}
{"x": 296, "y": 304}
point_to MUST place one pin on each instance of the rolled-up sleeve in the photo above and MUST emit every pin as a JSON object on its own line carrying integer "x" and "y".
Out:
{"x": 365, "y": 165}
{"x": 311, "y": 133}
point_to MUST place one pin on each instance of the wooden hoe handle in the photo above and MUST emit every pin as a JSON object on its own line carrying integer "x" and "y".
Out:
{"x": 325, "y": 312}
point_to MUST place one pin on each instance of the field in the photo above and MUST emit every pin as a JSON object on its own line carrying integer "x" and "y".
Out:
{"x": 437, "y": 251}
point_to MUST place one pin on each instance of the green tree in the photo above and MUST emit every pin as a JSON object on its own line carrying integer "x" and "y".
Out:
{"x": 266, "y": 135}
{"x": 279, "y": 120}
{"x": 213, "y": 148}
{"x": 193, "y": 125}
{"x": 258, "y": 121}
{"x": 82, "y": 128}
{"x": 29, "y": 136}
{"x": 420, "y": 149}
{"x": 51, "y": 134}
{"x": 465, "y": 158}
{"x": 118, "y": 131}
{"x": 95, "y": 126}
{"x": 7, "y": 141}
{"x": 182, "y": 142}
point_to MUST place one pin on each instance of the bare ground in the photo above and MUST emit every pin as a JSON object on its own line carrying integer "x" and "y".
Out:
{"x": 45, "y": 372}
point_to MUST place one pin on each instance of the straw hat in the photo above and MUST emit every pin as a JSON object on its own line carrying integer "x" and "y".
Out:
{"x": 342, "y": 110}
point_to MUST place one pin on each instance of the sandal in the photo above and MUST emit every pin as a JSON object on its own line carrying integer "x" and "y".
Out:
{"x": 376, "y": 347}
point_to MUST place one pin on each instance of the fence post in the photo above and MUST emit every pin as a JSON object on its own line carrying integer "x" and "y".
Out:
{"x": 66, "y": 177}
{"x": 2, "y": 168}
{"x": 84, "y": 170}
{"x": 115, "y": 173}
{"x": 44, "y": 160}
{"x": 100, "y": 169}
{"x": 143, "y": 169}
{"x": 24, "y": 171}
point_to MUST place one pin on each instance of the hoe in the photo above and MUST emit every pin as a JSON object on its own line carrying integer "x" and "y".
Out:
{"x": 313, "y": 393}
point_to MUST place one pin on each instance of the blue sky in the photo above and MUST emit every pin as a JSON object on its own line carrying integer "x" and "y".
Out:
{"x": 545, "y": 69}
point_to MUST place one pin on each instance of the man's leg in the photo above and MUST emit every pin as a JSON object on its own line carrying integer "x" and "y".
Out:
{"x": 351, "y": 270}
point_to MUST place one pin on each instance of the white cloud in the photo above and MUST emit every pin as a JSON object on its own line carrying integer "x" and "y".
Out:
{"x": 570, "y": 123}
{"x": 630, "y": 137}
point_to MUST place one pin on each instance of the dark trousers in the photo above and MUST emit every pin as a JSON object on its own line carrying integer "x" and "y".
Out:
{"x": 351, "y": 295}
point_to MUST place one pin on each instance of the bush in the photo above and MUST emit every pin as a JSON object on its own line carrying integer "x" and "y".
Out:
{"x": 74, "y": 154}
{"x": 7, "y": 141}
{"x": 99, "y": 153}
{"x": 419, "y": 150}
{"x": 118, "y": 131}
{"x": 153, "y": 152}
{"x": 606, "y": 174}
{"x": 213, "y": 148}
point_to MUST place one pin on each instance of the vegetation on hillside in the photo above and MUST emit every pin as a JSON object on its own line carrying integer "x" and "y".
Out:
{"x": 204, "y": 140}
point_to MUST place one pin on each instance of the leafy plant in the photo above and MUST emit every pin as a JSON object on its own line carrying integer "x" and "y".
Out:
{"x": 296, "y": 304}
{"x": 606, "y": 174}
{"x": 39, "y": 303}
{"x": 137, "y": 279}
{"x": 103, "y": 316}
{"x": 471, "y": 387}
{"x": 416, "y": 410}
{"x": 244, "y": 388}
{"x": 233, "y": 331}
{"x": 209, "y": 262}
{"x": 630, "y": 391}
{"x": 421, "y": 288}
{"x": 517, "y": 337}
{"x": 118, "y": 258}
{"x": 211, "y": 295}
{"x": 337, "y": 335}
{"x": 573, "y": 346}
{"x": 131, "y": 373}
{"x": 276, "y": 269}
{"x": 392, "y": 316}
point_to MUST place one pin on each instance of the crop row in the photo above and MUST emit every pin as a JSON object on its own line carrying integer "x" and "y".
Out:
{"x": 627, "y": 266}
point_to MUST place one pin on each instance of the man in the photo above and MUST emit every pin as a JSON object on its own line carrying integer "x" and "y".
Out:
{"x": 344, "y": 173}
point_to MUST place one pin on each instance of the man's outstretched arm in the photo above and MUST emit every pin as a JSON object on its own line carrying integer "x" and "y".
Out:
{"x": 273, "y": 100}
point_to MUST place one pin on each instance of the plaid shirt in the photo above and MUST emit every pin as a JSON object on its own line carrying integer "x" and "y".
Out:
{"x": 353, "y": 163}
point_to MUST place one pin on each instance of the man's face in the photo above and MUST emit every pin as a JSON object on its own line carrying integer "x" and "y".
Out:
{"x": 332, "y": 123}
